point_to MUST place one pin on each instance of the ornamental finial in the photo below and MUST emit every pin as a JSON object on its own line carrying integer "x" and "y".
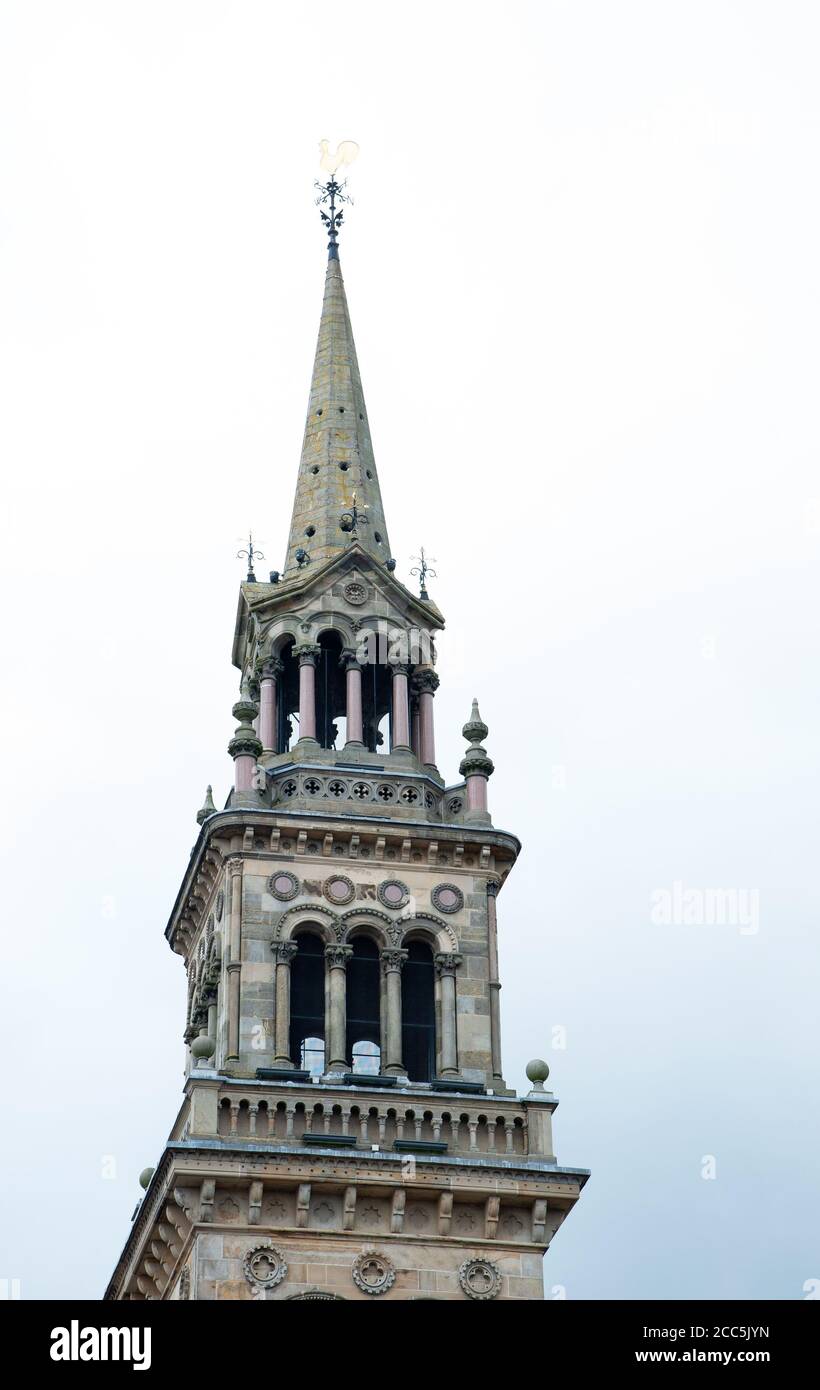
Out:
{"x": 423, "y": 569}
{"x": 250, "y": 554}
{"x": 333, "y": 192}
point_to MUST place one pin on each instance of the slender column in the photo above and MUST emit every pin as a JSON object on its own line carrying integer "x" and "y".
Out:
{"x": 415, "y": 725}
{"x": 392, "y": 962}
{"x": 337, "y": 958}
{"x": 234, "y": 956}
{"x": 493, "y": 886}
{"x": 476, "y": 767}
{"x": 426, "y": 683}
{"x": 283, "y": 953}
{"x": 307, "y": 691}
{"x": 271, "y": 671}
{"x": 244, "y": 747}
{"x": 355, "y": 724}
{"x": 446, "y": 967}
{"x": 401, "y": 709}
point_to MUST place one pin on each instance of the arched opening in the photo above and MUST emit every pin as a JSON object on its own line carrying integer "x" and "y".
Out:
{"x": 418, "y": 1012}
{"x": 377, "y": 694}
{"x": 287, "y": 704}
{"x": 331, "y": 697}
{"x": 363, "y": 1007}
{"x": 307, "y": 1004}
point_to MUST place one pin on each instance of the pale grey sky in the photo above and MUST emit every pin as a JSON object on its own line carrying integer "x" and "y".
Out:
{"x": 583, "y": 275}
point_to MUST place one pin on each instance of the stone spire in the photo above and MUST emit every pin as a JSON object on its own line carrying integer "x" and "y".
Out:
{"x": 337, "y": 455}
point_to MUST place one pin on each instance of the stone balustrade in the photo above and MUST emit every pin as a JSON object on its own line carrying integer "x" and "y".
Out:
{"x": 404, "y": 1120}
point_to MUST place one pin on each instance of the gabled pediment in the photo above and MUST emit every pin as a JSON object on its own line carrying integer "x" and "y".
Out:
{"x": 334, "y": 584}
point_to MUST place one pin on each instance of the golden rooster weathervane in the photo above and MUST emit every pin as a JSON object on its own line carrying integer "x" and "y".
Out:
{"x": 332, "y": 191}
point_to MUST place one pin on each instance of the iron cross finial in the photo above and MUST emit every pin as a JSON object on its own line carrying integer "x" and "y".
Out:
{"x": 423, "y": 569}
{"x": 333, "y": 191}
{"x": 251, "y": 554}
{"x": 356, "y": 517}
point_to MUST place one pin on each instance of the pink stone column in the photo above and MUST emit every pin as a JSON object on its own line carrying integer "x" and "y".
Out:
{"x": 355, "y": 722}
{"x": 267, "y": 705}
{"x": 425, "y": 683}
{"x": 401, "y": 709}
{"x": 428, "y": 737}
{"x": 415, "y": 727}
{"x": 307, "y": 692}
{"x": 243, "y": 768}
{"x": 476, "y": 792}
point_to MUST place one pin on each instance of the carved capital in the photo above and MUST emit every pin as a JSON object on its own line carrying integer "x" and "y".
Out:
{"x": 349, "y": 661}
{"x": 393, "y": 959}
{"x": 307, "y": 654}
{"x": 447, "y": 962}
{"x": 426, "y": 682}
{"x": 338, "y": 956}
{"x": 284, "y": 951}
{"x": 271, "y": 668}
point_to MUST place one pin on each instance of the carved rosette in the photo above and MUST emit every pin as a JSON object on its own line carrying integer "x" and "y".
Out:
{"x": 393, "y": 893}
{"x": 447, "y": 897}
{"x": 339, "y": 889}
{"x": 373, "y": 1273}
{"x": 264, "y": 1266}
{"x": 283, "y": 885}
{"x": 480, "y": 1278}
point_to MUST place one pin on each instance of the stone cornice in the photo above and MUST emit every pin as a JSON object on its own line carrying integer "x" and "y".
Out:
{"x": 240, "y": 820}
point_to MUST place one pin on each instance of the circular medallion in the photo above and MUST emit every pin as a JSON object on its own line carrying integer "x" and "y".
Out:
{"x": 393, "y": 893}
{"x": 373, "y": 1273}
{"x": 283, "y": 885}
{"x": 264, "y": 1266}
{"x": 355, "y": 592}
{"x": 447, "y": 898}
{"x": 339, "y": 889}
{"x": 480, "y": 1278}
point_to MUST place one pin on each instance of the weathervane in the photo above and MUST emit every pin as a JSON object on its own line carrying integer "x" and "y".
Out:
{"x": 352, "y": 520}
{"x": 333, "y": 192}
{"x": 422, "y": 570}
{"x": 250, "y": 555}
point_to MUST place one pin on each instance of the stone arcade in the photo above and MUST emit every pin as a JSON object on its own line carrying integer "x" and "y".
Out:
{"x": 346, "y": 1130}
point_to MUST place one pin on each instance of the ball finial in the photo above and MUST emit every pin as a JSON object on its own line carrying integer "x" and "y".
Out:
{"x": 145, "y": 1177}
{"x": 203, "y": 1047}
{"x": 537, "y": 1072}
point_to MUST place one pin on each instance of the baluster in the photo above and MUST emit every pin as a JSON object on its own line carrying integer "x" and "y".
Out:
{"x": 234, "y": 1115}
{"x": 253, "y": 1111}
{"x": 472, "y": 1125}
{"x": 509, "y": 1130}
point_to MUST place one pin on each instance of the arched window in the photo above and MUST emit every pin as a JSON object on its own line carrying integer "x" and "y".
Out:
{"x": 331, "y": 696}
{"x": 363, "y": 1007}
{"x": 418, "y": 1012}
{"x": 307, "y": 1004}
{"x": 287, "y": 704}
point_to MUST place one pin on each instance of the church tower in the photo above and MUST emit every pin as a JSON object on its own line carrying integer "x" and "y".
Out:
{"x": 346, "y": 1130}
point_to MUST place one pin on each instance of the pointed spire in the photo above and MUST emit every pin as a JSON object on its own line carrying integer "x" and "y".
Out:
{"x": 207, "y": 808}
{"x": 337, "y": 455}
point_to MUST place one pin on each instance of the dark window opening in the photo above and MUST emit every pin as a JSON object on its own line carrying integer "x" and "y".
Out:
{"x": 287, "y": 703}
{"x": 363, "y": 1006}
{"x": 331, "y": 695}
{"x": 418, "y": 1013}
{"x": 307, "y": 999}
